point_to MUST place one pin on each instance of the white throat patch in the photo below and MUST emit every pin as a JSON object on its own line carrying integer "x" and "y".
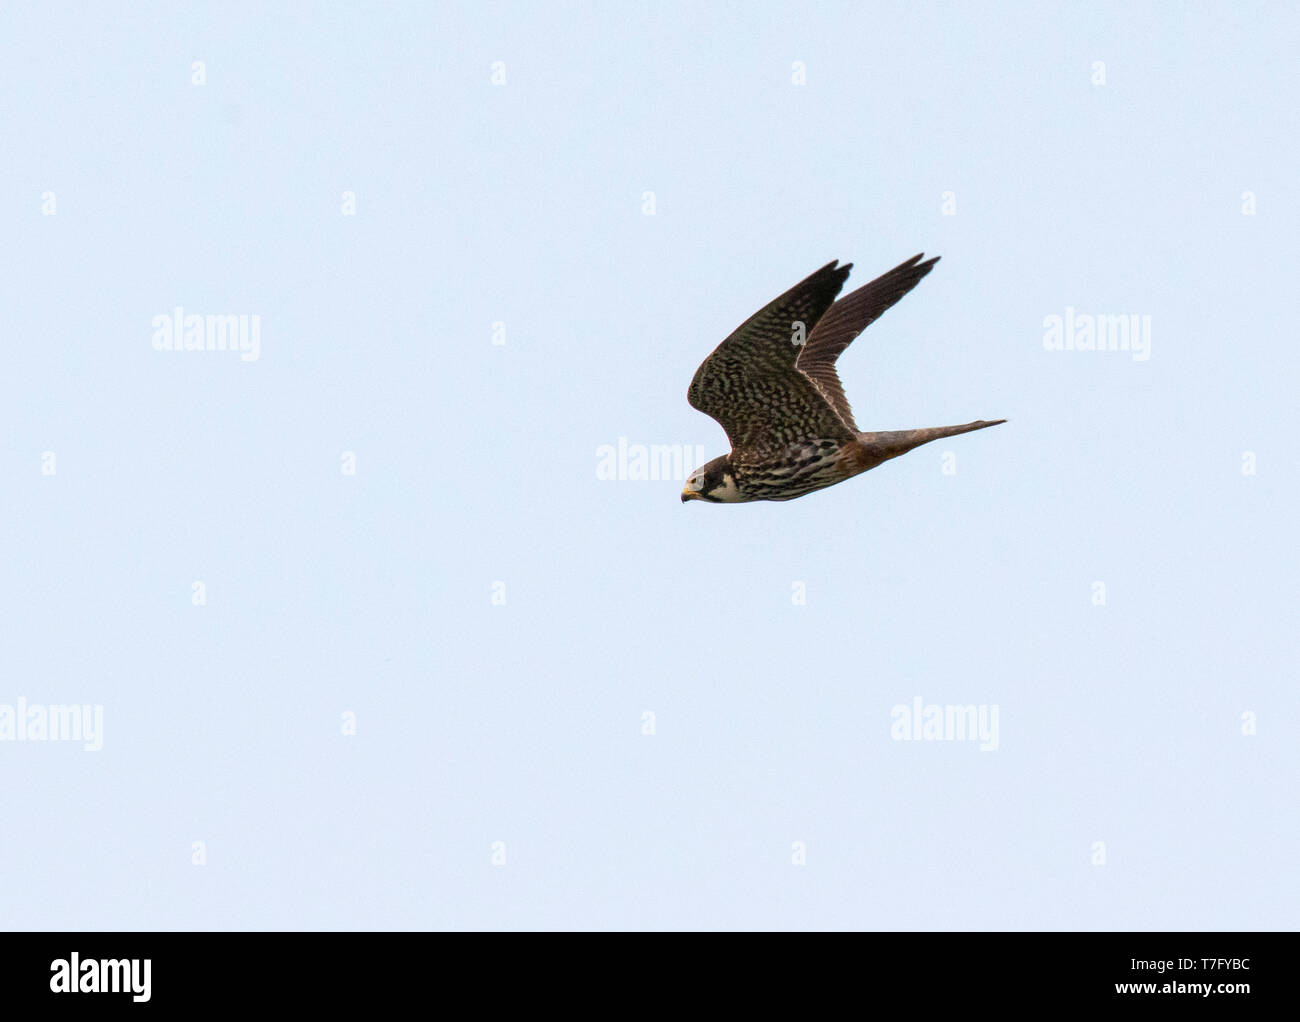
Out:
{"x": 727, "y": 493}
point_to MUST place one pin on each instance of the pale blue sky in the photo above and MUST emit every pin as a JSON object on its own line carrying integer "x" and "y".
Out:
{"x": 522, "y": 204}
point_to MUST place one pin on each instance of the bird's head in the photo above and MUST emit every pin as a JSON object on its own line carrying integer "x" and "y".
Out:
{"x": 714, "y": 482}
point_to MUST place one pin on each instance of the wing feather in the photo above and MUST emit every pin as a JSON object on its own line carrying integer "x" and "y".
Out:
{"x": 750, "y": 383}
{"x": 846, "y": 319}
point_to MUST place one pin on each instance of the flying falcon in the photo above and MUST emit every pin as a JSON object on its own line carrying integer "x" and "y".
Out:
{"x": 772, "y": 386}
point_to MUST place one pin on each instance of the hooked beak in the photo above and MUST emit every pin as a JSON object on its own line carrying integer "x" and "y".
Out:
{"x": 690, "y": 495}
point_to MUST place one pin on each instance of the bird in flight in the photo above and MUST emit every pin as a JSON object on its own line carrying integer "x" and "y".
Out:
{"x": 772, "y": 386}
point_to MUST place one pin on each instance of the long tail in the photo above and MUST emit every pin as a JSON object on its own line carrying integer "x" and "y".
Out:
{"x": 895, "y": 442}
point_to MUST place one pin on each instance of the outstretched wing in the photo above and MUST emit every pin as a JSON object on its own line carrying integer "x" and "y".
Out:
{"x": 750, "y": 383}
{"x": 847, "y": 318}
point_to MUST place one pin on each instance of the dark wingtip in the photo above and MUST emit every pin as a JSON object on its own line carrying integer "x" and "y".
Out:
{"x": 915, "y": 266}
{"x": 841, "y": 273}
{"x": 834, "y": 268}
